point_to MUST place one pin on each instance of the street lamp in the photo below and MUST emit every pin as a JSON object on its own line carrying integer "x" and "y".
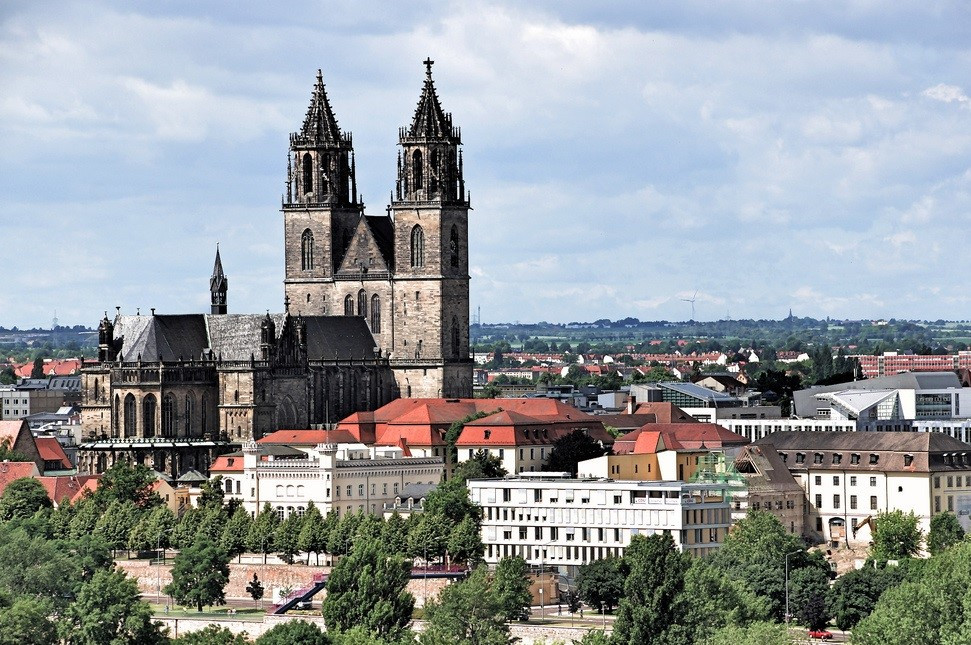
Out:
{"x": 787, "y": 585}
{"x": 542, "y": 606}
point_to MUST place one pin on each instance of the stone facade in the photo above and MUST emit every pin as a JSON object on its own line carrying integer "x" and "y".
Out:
{"x": 405, "y": 273}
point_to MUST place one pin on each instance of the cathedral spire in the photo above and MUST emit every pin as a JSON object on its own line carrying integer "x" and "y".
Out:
{"x": 320, "y": 124}
{"x": 430, "y": 121}
{"x": 218, "y": 286}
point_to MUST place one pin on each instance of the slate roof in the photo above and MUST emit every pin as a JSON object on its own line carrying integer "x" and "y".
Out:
{"x": 236, "y": 337}
{"x": 383, "y": 230}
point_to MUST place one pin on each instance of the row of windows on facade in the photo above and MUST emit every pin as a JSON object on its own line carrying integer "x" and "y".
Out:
{"x": 790, "y": 504}
{"x": 837, "y": 500}
{"x": 838, "y": 458}
{"x": 308, "y": 263}
{"x": 172, "y": 424}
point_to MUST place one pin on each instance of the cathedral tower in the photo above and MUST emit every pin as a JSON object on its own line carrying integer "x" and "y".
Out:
{"x": 320, "y": 207}
{"x": 218, "y": 286}
{"x": 431, "y": 247}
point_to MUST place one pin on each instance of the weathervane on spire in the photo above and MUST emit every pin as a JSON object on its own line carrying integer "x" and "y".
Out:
{"x": 428, "y": 65}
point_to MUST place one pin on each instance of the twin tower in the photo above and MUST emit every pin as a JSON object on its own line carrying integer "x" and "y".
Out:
{"x": 407, "y": 272}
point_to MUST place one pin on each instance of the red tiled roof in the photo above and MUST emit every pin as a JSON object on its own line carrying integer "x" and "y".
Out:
{"x": 308, "y": 437}
{"x": 87, "y": 488}
{"x": 227, "y": 464}
{"x": 13, "y": 470}
{"x": 64, "y": 486}
{"x": 11, "y": 429}
{"x": 677, "y": 436}
{"x": 52, "y": 367}
{"x": 50, "y": 449}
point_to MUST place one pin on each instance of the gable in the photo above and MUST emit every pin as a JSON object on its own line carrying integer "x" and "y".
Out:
{"x": 363, "y": 252}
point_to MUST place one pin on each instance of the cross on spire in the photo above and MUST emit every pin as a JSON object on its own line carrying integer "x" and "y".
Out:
{"x": 428, "y": 65}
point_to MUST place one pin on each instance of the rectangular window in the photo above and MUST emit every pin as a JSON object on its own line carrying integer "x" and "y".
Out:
{"x": 819, "y": 480}
{"x": 819, "y": 524}
{"x": 873, "y": 502}
{"x": 819, "y": 500}
{"x": 853, "y": 502}
{"x": 349, "y": 494}
{"x": 937, "y": 503}
{"x": 873, "y": 481}
{"x": 522, "y": 532}
{"x": 950, "y": 503}
{"x": 538, "y": 532}
{"x": 937, "y": 481}
{"x": 836, "y": 480}
{"x": 554, "y": 533}
{"x": 853, "y": 480}
{"x": 950, "y": 481}
{"x": 537, "y": 495}
{"x": 616, "y": 535}
{"x": 836, "y": 501}
{"x": 617, "y": 499}
{"x": 506, "y": 494}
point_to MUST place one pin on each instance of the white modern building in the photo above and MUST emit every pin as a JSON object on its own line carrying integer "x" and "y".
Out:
{"x": 338, "y": 478}
{"x": 554, "y": 520}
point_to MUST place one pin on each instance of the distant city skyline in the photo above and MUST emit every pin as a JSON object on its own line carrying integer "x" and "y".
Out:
{"x": 620, "y": 159}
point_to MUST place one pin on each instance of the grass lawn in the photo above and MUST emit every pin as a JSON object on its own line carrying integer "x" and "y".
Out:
{"x": 213, "y": 613}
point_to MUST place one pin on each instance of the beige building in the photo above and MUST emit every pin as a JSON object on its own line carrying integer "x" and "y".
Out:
{"x": 849, "y": 477}
{"x": 768, "y": 486}
{"x": 338, "y": 478}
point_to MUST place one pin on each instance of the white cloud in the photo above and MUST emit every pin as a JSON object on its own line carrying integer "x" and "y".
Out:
{"x": 946, "y": 93}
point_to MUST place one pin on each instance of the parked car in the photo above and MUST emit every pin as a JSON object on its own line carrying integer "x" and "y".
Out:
{"x": 821, "y": 634}
{"x": 305, "y": 604}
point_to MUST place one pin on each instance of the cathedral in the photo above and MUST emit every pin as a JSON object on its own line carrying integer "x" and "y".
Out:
{"x": 375, "y": 307}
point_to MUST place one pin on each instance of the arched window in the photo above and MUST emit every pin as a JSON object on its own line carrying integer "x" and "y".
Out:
{"x": 308, "y": 173}
{"x": 131, "y": 418}
{"x": 149, "y": 409}
{"x": 362, "y": 303}
{"x": 97, "y": 390}
{"x": 228, "y": 485}
{"x": 456, "y": 337}
{"x": 190, "y": 405}
{"x": 417, "y": 169}
{"x": 168, "y": 416}
{"x": 453, "y": 246}
{"x": 307, "y": 250}
{"x": 417, "y": 247}
{"x": 116, "y": 417}
{"x": 375, "y": 314}
{"x": 348, "y": 305}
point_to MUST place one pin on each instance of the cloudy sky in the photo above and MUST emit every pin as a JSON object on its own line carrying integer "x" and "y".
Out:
{"x": 620, "y": 156}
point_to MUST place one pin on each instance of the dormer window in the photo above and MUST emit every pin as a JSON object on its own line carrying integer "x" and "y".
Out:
{"x": 837, "y": 457}
{"x": 818, "y": 458}
{"x": 784, "y": 456}
{"x": 908, "y": 460}
{"x": 800, "y": 457}
{"x": 855, "y": 458}
{"x": 874, "y": 458}
{"x": 488, "y": 433}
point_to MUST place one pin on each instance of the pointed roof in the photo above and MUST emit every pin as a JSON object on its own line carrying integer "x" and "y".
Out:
{"x": 217, "y": 268}
{"x": 320, "y": 124}
{"x": 430, "y": 121}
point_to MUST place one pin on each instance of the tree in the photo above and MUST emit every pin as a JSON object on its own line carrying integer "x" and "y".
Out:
{"x": 212, "y": 635}
{"x": 807, "y": 596}
{"x": 897, "y": 535}
{"x": 428, "y": 537}
{"x": 294, "y": 631}
{"x": 655, "y": 579}
{"x": 212, "y": 523}
{"x": 601, "y": 583}
{"x": 945, "y": 532}
{"x": 261, "y": 531}
{"x": 108, "y": 610}
{"x": 450, "y": 499}
{"x": 855, "y": 593}
{"x": 510, "y": 584}
{"x": 185, "y": 530}
{"x": 211, "y": 493}
{"x": 454, "y": 430}
{"x": 367, "y": 588}
{"x": 313, "y": 533}
{"x": 84, "y": 518}
{"x": 760, "y": 633}
{"x": 341, "y": 536}
{"x": 35, "y": 566}
{"x": 395, "y": 535}
{"x": 37, "y": 371}
{"x": 286, "y": 538}
{"x": 571, "y": 449}
{"x": 127, "y": 483}
{"x": 153, "y": 530}
{"x": 255, "y": 589}
{"x": 117, "y": 522}
{"x": 481, "y": 465}
{"x": 467, "y": 613}
{"x": 28, "y": 622}
{"x": 465, "y": 543}
{"x": 22, "y": 498}
{"x": 199, "y": 576}
{"x": 233, "y": 540}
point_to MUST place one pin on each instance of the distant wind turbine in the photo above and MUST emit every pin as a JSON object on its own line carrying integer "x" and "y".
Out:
{"x": 692, "y": 301}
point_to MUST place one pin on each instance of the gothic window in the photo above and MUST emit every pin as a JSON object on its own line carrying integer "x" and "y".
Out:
{"x": 131, "y": 419}
{"x": 149, "y": 405}
{"x": 308, "y": 173}
{"x": 97, "y": 390}
{"x": 417, "y": 247}
{"x": 190, "y": 404}
{"x": 417, "y": 169}
{"x": 168, "y": 416}
{"x": 116, "y": 416}
{"x": 453, "y": 246}
{"x": 202, "y": 414}
{"x": 348, "y": 305}
{"x": 456, "y": 336}
{"x": 375, "y": 314}
{"x": 307, "y": 250}
{"x": 433, "y": 180}
{"x": 362, "y": 303}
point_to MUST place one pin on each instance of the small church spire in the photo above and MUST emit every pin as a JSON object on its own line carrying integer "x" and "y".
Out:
{"x": 218, "y": 286}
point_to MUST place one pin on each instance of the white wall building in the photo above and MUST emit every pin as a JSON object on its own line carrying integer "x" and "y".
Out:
{"x": 551, "y": 519}
{"x": 339, "y": 478}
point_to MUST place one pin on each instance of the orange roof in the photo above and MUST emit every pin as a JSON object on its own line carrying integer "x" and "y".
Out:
{"x": 10, "y": 430}
{"x": 308, "y": 437}
{"x": 50, "y": 449}
{"x": 87, "y": 488}
{"x": 64, "y": 486}
{"x": 13, "y": 470}
{"x": 52, "y": 367}
{"x": 677, "y": 436}
{"x": 227, "y": 464}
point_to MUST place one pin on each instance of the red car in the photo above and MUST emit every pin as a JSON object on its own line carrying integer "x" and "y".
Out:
{"x": 821, "y": 634}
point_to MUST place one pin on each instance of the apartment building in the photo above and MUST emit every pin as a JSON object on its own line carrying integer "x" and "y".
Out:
{"x": 552, "y": 519}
